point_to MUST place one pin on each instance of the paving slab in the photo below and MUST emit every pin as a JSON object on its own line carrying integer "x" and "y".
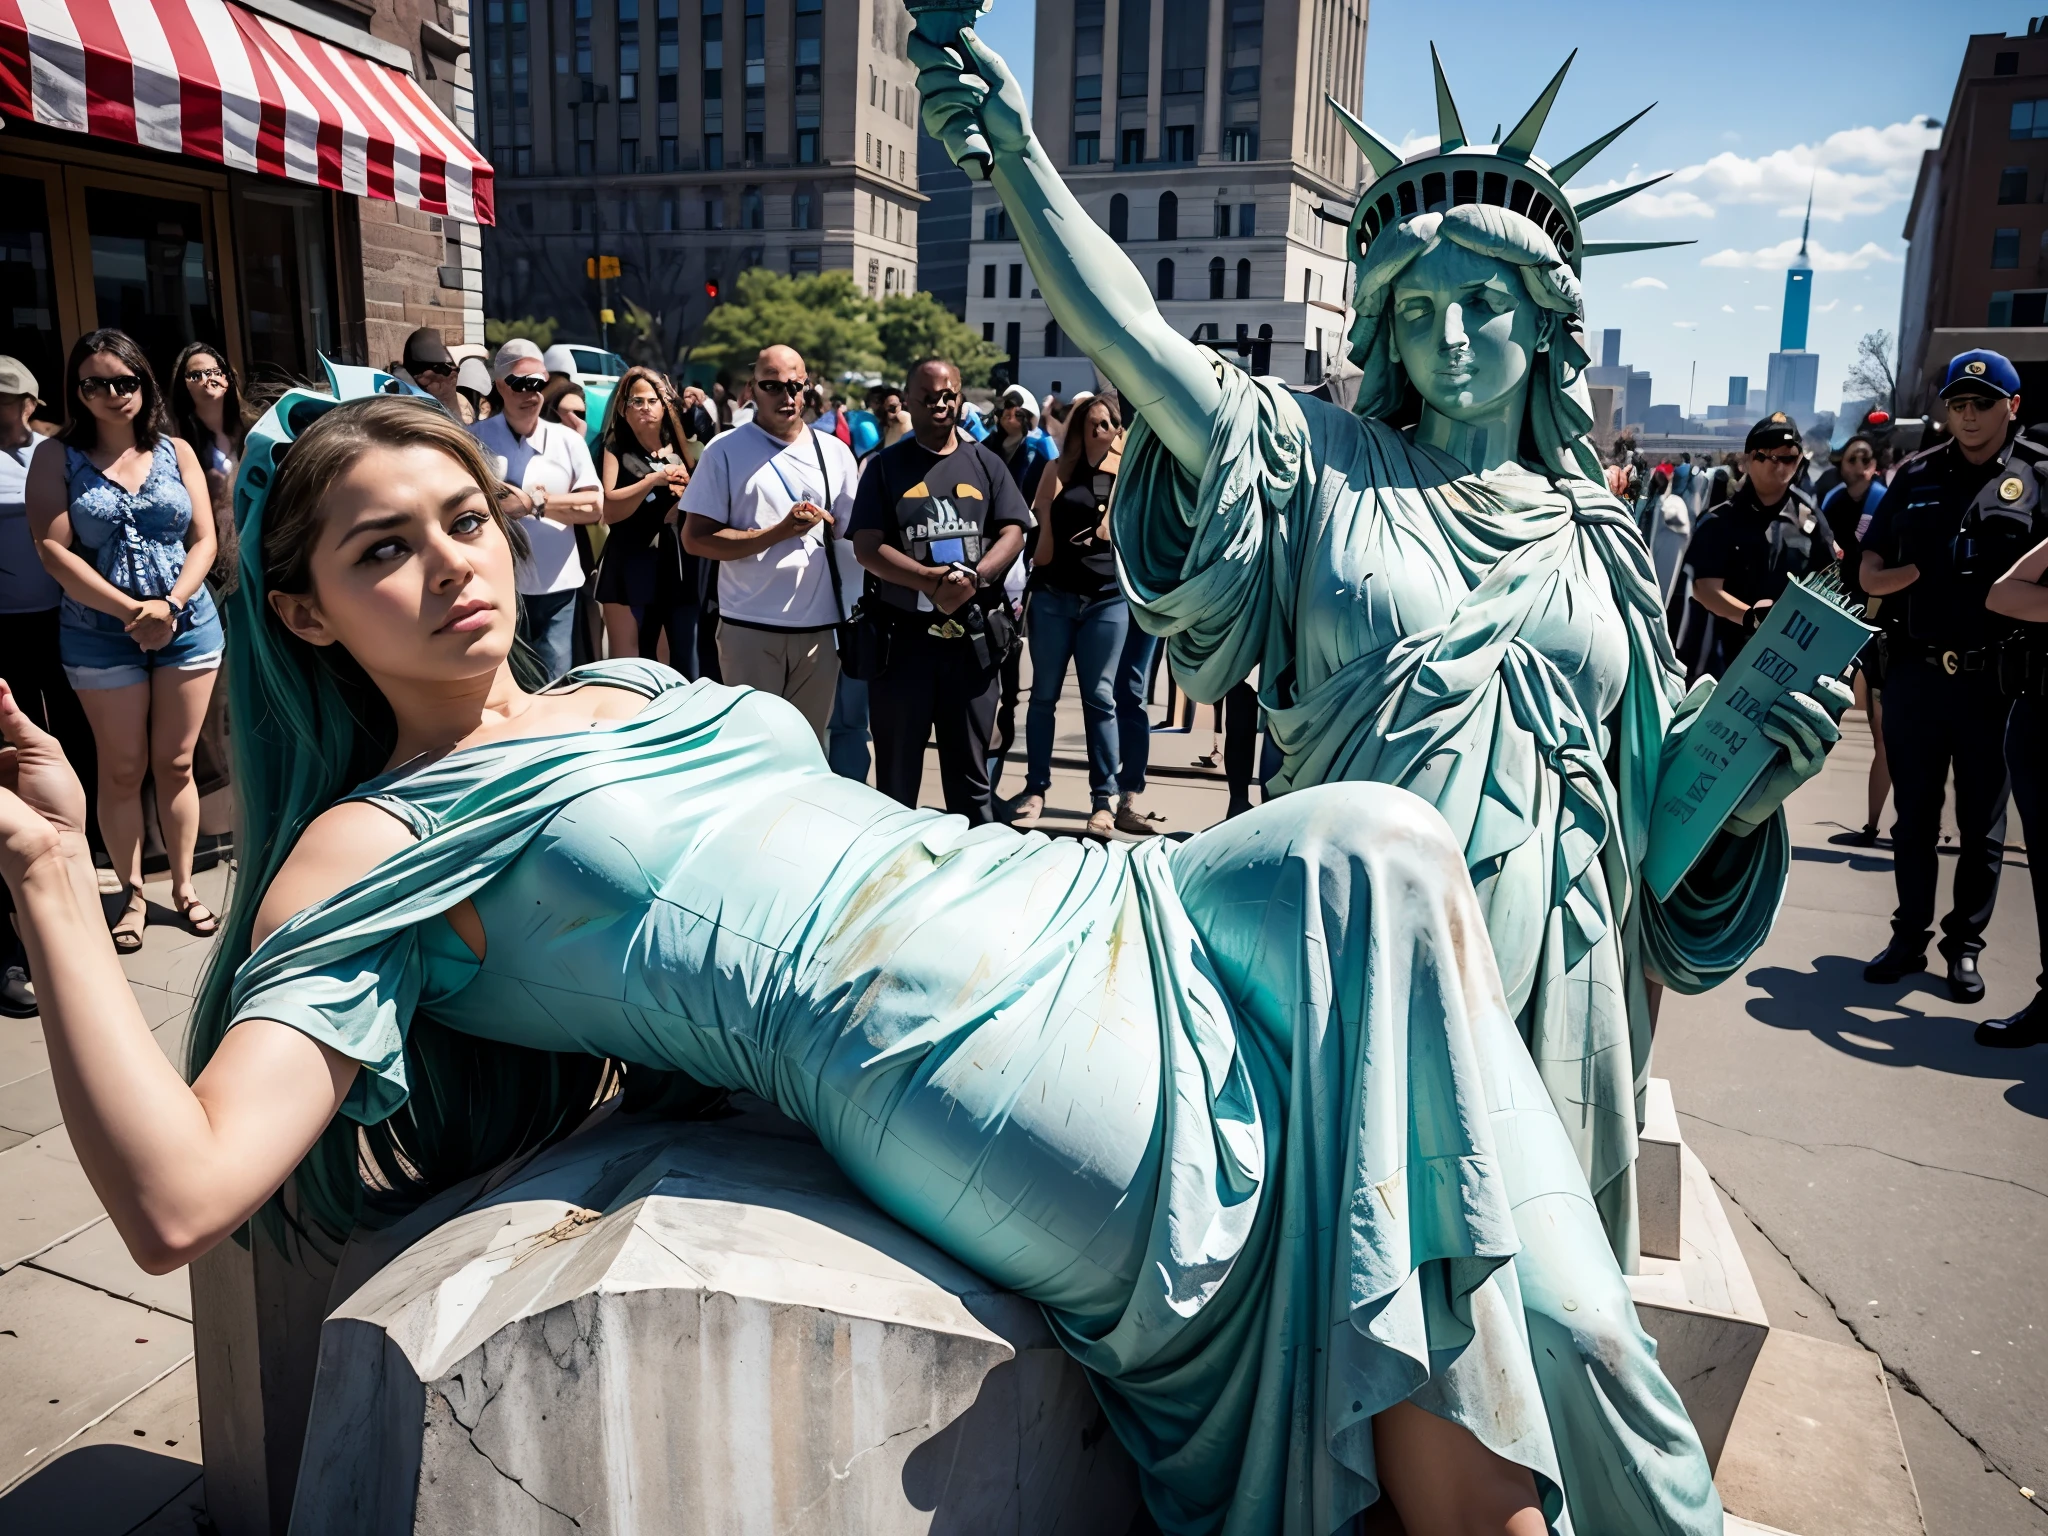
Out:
{"x": 136, "y": 1465}
{"x": 71, "y": 1355}
{"x": 97, "y": 1257}
{"x": 44, "y": 1197}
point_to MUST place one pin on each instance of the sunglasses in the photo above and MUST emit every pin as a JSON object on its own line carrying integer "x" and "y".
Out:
{"x": 1972, "y": 404}
{"x": 444, "y": 369}
{"x": 121, "y": 385}
{"x": 525, "y": 383}
{"x": 1776, "y": 458}
{"x": 789, "y": 389}
{"x": 943, "y": 396}
{"x": 201, "y": 375}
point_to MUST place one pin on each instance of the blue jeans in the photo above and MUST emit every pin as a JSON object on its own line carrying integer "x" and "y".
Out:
{"x": 1133, "y": 724}
{"x": 547, "y": 622}
{"x": 846, "y": 733}
{"x": 1066, "y": 627}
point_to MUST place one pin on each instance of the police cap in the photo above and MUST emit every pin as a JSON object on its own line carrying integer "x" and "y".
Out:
{"x": 1774, "y": 431}
{"x": 1980, "y": 372}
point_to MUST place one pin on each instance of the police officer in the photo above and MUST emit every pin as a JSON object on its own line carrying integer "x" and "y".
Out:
{"x": 2020, "y": 595}
{"x": 1932, "y": 552}
{"x": 1748, "y": 547}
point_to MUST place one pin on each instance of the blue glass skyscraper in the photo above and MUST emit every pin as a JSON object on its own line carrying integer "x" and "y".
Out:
{"x": 1798, "y": 292}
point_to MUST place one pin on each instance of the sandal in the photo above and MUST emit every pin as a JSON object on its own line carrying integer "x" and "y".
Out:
{"x": 127, "y": 934}
{"x": 199, "y": 917}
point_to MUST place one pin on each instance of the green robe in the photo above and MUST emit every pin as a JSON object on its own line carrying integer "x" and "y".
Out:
{"x": 1494, "y": 643}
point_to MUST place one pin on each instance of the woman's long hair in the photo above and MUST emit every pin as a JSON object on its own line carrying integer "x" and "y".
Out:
{"x": 1074, "y": 450}
{"x": 1560, "y": 409}
{"x": 309, "y": 726}
{"x": 618, "y": 432}
{"x": 81, "y": 427}
{"x": 185, "y": 420}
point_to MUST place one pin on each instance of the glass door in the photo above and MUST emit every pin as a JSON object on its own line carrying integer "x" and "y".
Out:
{"x": 35, "y": 306}
{"x": 281, "y": 241}
{"x": 151, "y": 273}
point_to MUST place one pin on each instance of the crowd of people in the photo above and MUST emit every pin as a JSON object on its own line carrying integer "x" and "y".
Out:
{"x": 886, "y": 566}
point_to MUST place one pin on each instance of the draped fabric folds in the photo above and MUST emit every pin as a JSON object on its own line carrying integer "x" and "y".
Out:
{"x": 1268, "y": 561}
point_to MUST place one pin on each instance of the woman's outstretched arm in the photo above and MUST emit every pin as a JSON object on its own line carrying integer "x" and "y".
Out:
{"x": 178, "y": 1167}
{"x": 1098, "y": 297}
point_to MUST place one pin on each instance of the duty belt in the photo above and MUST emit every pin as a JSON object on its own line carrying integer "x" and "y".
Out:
{"x": 1953, "y": 659}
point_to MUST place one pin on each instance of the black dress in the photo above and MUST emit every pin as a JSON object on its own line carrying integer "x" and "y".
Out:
{"x": 645, "y": 568}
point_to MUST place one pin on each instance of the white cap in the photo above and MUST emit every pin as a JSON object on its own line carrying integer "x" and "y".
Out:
{"x": 1020, "y": 397}
{"x": 559, "y": 359}
{"x": 511, "y": 353}
{"x": 472, "y": 374}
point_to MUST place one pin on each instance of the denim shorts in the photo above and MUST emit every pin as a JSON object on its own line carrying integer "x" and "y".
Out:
{"x": 98, "y": 653}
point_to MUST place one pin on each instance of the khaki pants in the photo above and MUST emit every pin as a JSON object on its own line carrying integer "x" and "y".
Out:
{"x": 801, "y": 666}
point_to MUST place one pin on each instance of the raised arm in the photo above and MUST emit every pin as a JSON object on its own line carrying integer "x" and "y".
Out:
{"x": 1098, "y": 297}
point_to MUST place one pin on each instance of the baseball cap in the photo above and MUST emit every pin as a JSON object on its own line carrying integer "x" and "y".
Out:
{"x": 511, "y": 353}
{"x": 1020, "y": 397}
{"x": 426, "y": 345}
{"x": 473, "y": 376}
{"x": 558, "y": 359}
{"x": 17, "y": 380}
{"x": 1980, "y": 372}
{"x": 1774, "y": 431}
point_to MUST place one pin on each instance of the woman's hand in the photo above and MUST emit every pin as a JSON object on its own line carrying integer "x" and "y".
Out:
{"x": 1806, "y": 728}
{"x": 42, "y": 804}
{"x": 154, "y": 625}
{"x": 969, "y": 87}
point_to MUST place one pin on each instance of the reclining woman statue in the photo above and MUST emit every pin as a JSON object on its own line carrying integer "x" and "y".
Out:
{"x": 1248, "y": 1115}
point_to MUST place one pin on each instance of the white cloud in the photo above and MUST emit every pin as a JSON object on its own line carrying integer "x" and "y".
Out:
{"x": 1779, "y": 256}
{"x": 1761, "y": 308}
{"x": 1413, "y": 143}
{"x": 1821, "y": 309}
{"x": 1647, "y": 282}
{"x": 1727, "y": 309}
{"x": 1685, "y": 325}
{"x": 1857, "y": 310}
{"x": 1854, "y": 172}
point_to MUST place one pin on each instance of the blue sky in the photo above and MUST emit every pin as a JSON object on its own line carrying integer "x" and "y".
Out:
{"x": 1754, "y": 102}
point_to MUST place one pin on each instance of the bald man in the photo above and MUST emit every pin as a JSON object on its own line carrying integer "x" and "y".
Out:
{"x": 769, "y": 501}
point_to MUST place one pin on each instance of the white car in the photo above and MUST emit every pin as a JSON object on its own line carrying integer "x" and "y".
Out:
{"x": 586, "y": 365}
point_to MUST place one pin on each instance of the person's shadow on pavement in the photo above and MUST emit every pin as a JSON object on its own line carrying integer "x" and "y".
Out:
{"x": 1819, "y": 1001}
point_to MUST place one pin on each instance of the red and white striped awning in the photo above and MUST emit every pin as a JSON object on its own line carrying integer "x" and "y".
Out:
{"x": 211, "y": 79}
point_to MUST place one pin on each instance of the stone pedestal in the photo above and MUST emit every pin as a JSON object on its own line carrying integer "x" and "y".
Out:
{"x": 693, "y": 1327}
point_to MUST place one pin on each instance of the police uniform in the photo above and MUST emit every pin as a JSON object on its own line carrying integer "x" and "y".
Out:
{"x": 1756, "y": 550}
{"x": 1944, "y": 708}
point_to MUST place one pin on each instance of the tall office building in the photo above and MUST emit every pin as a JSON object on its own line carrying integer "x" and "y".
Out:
{"x": 693, "y": 139}
{"x": 1738, "y": 391}
{"x": 1610, "y": 349}
{"x": 1794, "y": 374}
{"x": 1195, "y": 132}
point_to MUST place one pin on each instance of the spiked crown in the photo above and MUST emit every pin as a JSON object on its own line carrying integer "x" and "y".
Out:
{"x": 1505, "y": 173}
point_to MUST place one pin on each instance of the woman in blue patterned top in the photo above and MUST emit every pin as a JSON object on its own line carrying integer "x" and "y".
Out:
{"x": 122, "y": 518}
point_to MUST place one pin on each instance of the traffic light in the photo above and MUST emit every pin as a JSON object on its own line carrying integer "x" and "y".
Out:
{"x": 711, "y": 289}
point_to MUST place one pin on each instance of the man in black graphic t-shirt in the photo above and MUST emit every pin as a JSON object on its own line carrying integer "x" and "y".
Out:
{"x": 936, "y": 522}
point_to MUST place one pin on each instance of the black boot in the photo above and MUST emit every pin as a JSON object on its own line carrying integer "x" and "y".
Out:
{"x": 1901, "y": 958}
{"x": 1964, "y": 984}
{"x": 2027, "y": 1027}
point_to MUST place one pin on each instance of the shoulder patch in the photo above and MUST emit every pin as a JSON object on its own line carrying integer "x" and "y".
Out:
{"x": 968, "y": 492}
{"x": 919, "y": 489}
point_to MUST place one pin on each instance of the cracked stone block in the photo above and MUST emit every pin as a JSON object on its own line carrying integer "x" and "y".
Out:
{"x": 694, "y": 1327}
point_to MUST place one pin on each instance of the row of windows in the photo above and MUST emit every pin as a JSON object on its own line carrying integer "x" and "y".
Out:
{"x": 680, "y": 209}
{"x": 1056, "y": 344}
{"x": 1183, "y": 71}
{"x": 1231, "y": 220}
{"x": 1240, "y": 142}
{"x": 2023, "y": 308}
{"x": 1219, "y": 274}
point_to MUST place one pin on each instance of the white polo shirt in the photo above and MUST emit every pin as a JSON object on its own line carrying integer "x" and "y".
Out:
{"x": 748, "y": 479}
{"x": 556, "y": 460}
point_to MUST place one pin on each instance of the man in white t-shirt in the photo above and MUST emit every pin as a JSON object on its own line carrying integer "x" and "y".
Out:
{"x": 551, "y": 483}
{"x": 769, "y": 502}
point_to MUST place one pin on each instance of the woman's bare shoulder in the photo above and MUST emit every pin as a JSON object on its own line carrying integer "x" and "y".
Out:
{"x": 341, "y": 845}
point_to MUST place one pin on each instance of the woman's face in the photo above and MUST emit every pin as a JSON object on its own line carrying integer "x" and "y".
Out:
{"x": 1101, "y": 434}
{"x": 1859, "y": 465}
{"x": 643, "y": 412}
{"x": 101, "y": 379}
{"x": 1465, "y": 329}
{"x": 410, "y": 572}
{"x": 206, "y": 377}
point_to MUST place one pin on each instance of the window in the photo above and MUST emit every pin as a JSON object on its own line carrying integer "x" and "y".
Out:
{"x": 1132, "y": 147}
{"x": 988, "y": 332}
{"x": 802, "y": 210}
{"x": 1216, "y": 277}
{"x": 874, "y": 264}
{"x": 2005, "y": 63}
{"x": 583, "y": 214}
{"x": 2001, "y": 310}
{"x": 988, "y": 281}
{"x": 1247, "y": 220}
{"x": 805, "y": 261}
{"x": 1016, "y": 279}
{"x": 1169, "y": 216}
{"x": 586, "y": 159}
{"x": 629, "y": 154}
{"x": 2030, "y": 308}
{"x": 1244, "y": 279}
{"x": 2012, "y": 184}
{"x": 1165, "y": 284}
{"x": 629, "y": 87}
{"x": 1180, "y": 143}
{"x": 2005, "y": 248}
{"x": 1222, "y": 220}
{"x": 1013, "y": 339}
{"x": 1087, "y": 148}
{"x": 1052, "y": 338}
{"x": 671, "y": 160}
{"x": 2030, "y": 120}
{"x": 714, "y": 212}
{"x": 995, "y": 224}
{"x": 1120, "y": 218}
{"x": 714, "y": 151}
{"x": 582, "y": 38}
{"x": 806, "y": 145}
{"x": 1241, "y": 142}
{"x": 671, "y": 213}
{"x": 750, "y": 208}
{"x": 1133, "y": 48}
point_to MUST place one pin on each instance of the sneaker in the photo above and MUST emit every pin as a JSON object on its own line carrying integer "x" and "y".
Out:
{"x": 1899, "y": 960}
{"x": 17, "y": 993}
{"x": 1134, "y": 821}
{"x": 1102, "y": 824}
{"x": 2027, "y": 1027}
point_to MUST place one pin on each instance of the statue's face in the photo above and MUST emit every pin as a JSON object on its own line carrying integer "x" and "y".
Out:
{"x": 1465, "y": 329}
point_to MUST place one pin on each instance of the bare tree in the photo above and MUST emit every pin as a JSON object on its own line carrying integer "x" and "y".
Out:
{"x": 1873, "y": 373}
